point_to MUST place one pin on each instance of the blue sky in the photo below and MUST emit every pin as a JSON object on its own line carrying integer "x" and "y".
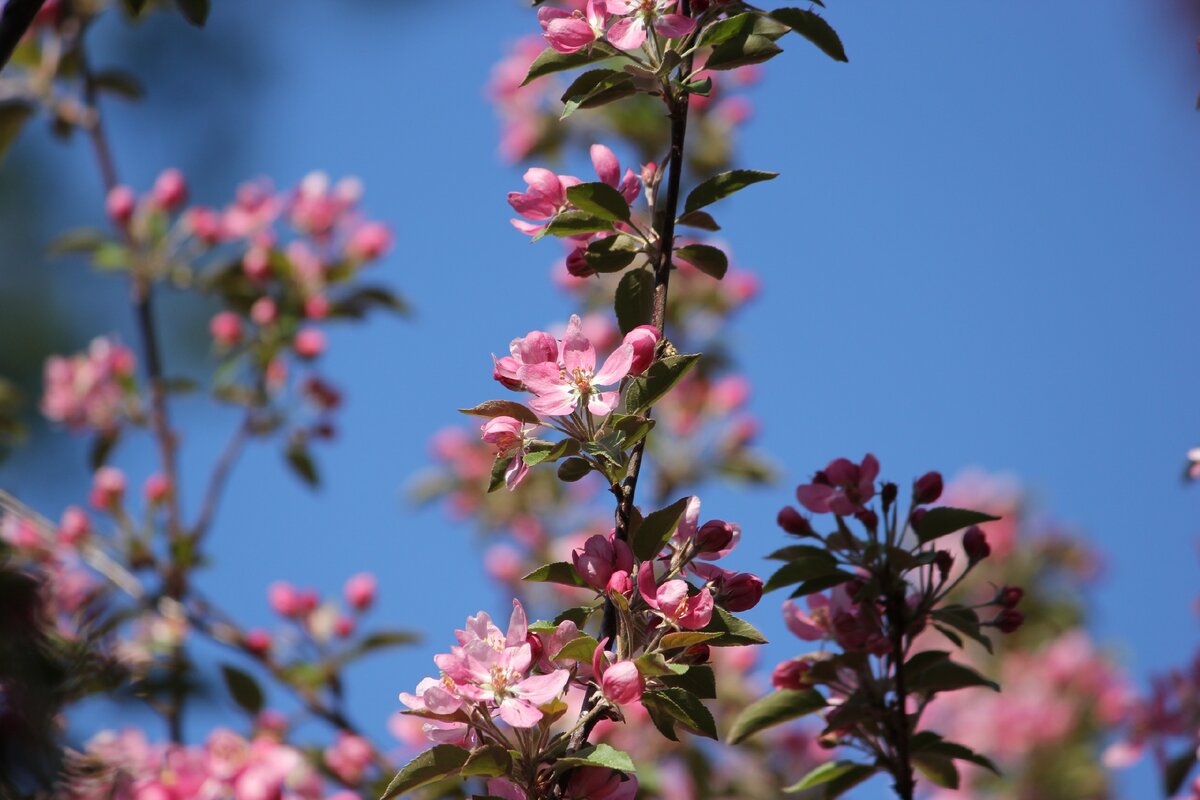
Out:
{"x": 981, "y": 251}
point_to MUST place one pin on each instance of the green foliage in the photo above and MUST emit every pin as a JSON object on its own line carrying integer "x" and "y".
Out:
{"x": 774, "y": 709}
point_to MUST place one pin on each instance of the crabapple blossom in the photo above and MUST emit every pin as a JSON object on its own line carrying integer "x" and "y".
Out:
{"x": 170, "y": 190}
{"x": 309, "y": 343}
{"x": 560, "y": 387}
{"x": 157, "y": 488}
{"x": 570, "y": 32}
{"x": 545, "y": 198}
{"x": 629, "y": 33}
{"x": 644, "y": 341}
{"x": 673, "y": 601}
{"x": 841, "y": 488}
{"x": 604, "y": 562}
{"x": 608, "y": 169}
{"x": 108, "y": 488}
{"x": 90, "y": 389}
{"x": 120, "y": 204}
{"x": 226, "y": 329}
{"x": 620, "y": 682}
{"x": 360, "y": 590}
{"x": 509, "y": 436}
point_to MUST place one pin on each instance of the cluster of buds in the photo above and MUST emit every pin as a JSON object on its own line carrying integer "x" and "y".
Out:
{"x": 320, "y": 621}
{"x": 94, "y": 390}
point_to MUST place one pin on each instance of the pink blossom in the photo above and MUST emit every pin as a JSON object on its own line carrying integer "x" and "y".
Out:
{"x": 603, "y": 559}
{"x": 569, "y": 32}
{"x": 360, "y": 591}
{"x": 157, "y": 488}
{"x": 257, "y": 641}
{"x": 620, "y": 682}
{"x": 841, "y": 488}
{"x": 285, "y": 599}
{"x": 793, "y": 674}
{"x": 560, "y": 388}
{"x": 108, "y": 488}
{"x": 170, "y": 190}
{"x": 120, "y": 204}
{"x": 536, "y": 347}
{"x": 89, "y": 389}
{"x": 673, "y": 600}
{"x": 349, "y": 756}
{"x": 545, "y": 198}
{"x": 264, "y": 311}
{"x": 608, "y": 169}
{"x": 644, "y": 341}
{"x": 203, "y": 223}
{"x": 810, "y": 628}
{"x": 509, "y": 436}
{"x": 226, "y": 329}
{"x": 309, "y": 343}
{"x": 74, "y": 526}
{"x": 600, "y": 783}
{"x": 630, "y": 32}
{"x": 369, "y": 241}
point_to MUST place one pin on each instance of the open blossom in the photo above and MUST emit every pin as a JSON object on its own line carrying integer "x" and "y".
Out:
{"x": 630, "y": 33}
{"x": 841, "y": 488}
{"x": 509, "y": 436}
{"x": 605, "y": 563}
{"x": 493, "y": 669}
{"x": 349, "y": 757}
{"x": 608, "y": 169}
{"x": 570, "y": 32}
{"x": 562, "y": 385}
{"x": 545, "y": 198}
{"x": 673, "y": 601}
{"x": 89, "y": 390}
{"x": 854, "y": 626}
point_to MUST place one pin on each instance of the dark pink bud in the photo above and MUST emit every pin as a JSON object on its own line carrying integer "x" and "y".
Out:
{"x": 577, "y": 264}
{"x": 308, "y": 600}
{"x": 622, "y": 683}
{"x": 309, "y": 343}
{"x": 975, "y": 544}
{"x": 793, "y": 522}
{"x": 943, "y": 560}
{"x": 1009, "y": 620}
{"x": 915, "y": 518}
{"x": 226, "y": 329}
{"x": 74, "y": 526}
{"x": 369, "y": 241}
{"x": 620, "y": 583}
{"x": 360, "y": 591}
{"x": 888, "y": 494}
{"x": 284, "y": 599}
{"x": 170, "y": 190}
{"x": 1010, "y": 596}
{"x": 316, "y": 307}
{"x": 120, "y": 204}
{"x": 535, "y": 647}
{"x": 157, "y": 488}
{"x": 264, "y": 311}
{"x": 714, "y": 536}
{"x": 794, "y": 674}
{"x": 343, "y": 626}
{"x": 697, "y": 654}
{"x": 644, "y": 341}
{"x": 204, "y": 224}
{"x": 108, "y": 488}
{"x": 868, "y": 518}
{"x": 257, "y": 641}
{"x": 928, "y": 488}
{"x": 741, "y": 592}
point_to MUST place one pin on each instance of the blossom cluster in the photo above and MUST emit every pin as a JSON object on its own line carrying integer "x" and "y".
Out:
{"x": 91, "y": 390}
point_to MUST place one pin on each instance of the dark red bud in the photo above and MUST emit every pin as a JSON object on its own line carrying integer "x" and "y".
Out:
{"x": 1009, "y": 620}
{"x": 928, "y": 488}
{"x": 943, "y": 561}
{"x": 868, "y": 518}
{"x": 1010, "y": 596}
{"x": 535, "y": 646}
{"x": 577, "y": 264}
{"x": 714, "y": 536}
{"x": 915, "y": 518}
{"x": 741, "y": 592}
{"x": 793, "y": 522}
{"x": 888, "y": 494}
{"x": 976, "y": 544}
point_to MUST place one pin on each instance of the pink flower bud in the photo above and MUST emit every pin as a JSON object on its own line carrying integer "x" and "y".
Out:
{"x": 316, "y": 307}
{"x": 622, "y": 683}
{"x": 170, "y": 190}
{"x": 264, "y": 311}
{"x": 741, "y": 592}
{"x": 644, "y": 340}
{"x": 601, "y": 783}
{"x": 108, "y": 488}
{"x": 257, "y": 264}
{"x": 308, "y": 601}
{"x": 284, "y": 599}
{"x": 257, "y": 641}
{"x": 714, "y": 536}
{"x": 157, "y": 488}
{"x": 369, "y": 241}
{"x": 360, "y": 591}
{"x": 120, "y": 204}
{"x": 271, "y": 721}
{"x": 1010, "y": 596}
{"x": 928, "y": 488}
{"x": 975, "y": 544}
{"x": 74, "y": 526}
{"x": 204, "y": 224}
{"x": 1009, "y": 620}
{"x": 793, "y": 522}
{"x": 620, "y": 583}
{"x": 793, "y": 674}
{"x": 344, "y": 626}
{"x": 226, "y": 329}
{"x": 309, "y": 343}
{"x": 577, "y": 265}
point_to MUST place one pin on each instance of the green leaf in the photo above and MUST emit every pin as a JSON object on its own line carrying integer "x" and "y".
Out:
{"x": 834, "y": 778}
{"x": 550, "y": 60}
{"x": 938, "y": 769}
{"x": 438, "y": 763}
{"x": 499, "y": 474}
{"x": 943, "y": 520}
{"x": 682, "y": 707}
{"x": 774, "y": 709}
{"x": 13, "y": 116}
{"x": 930, "y": 742}
{"x": 110, "y": 256}
{"x": 803, "y": 569}
{"x": 822, "y": 583}
{"x": 710, "y": 260}
{"x": 599, "y": 199}
{"x": 814, "y": 28}
{"x": 596, "y": 87}
{"x": 699, "y": 680}
{"x": 597, "y": 755}
{"x": 681, "y": 639}
{"x": 742, "y": 51}
{"x": 488, "y": 761}
{"x": 503, "y": 408}
{"x": 734, "y": 631}
{"x": 540, "y": 451}
{"x": 575, "y": 223}
{"x": 795, "y": 552}
{"x": 964, "y": 620}
{"x": 119, "y": 83}
{"x": 574, "y": 469}
{"x": 612, "y": 253}
{"x": 243, "y": 688}
{"x": 648, "y": 538}
{"x": 79, "y": 240}
{"x": 301, "y": 462}
{"x": 723, "y": 185}
{"x": 699, "y": 219}
{"x": 654, "y": 665}
{"x": 740, "y": 26}
{"x": 635, "y": 299}
{"x": 581, "y": 648}
{"x": 648, "y": 388}
{"x": 1177, "y": 770}
{"x": 194, "y": 11}
{"x": 363, "y": 299}
{"x": 559, "y": 572}
{"x": 932, "y": 671}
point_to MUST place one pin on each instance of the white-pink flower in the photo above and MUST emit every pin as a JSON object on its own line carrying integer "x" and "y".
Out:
{"x": 509, "y": 436}
{"x": 561, "y": 387}
{"x": 673, "y": 601}
{"x": 569, "y": 32}
{"x": 630, "y": 33}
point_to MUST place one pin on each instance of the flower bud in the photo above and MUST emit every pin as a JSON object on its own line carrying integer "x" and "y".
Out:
{"x": 369, "y": 241}
{"x": 108, "y": 488}
{"x": 741, "y": 592}
{"x": 360, "y": 591}
{"x": 257, "y": 264}
{"x": 644, "y": 341}
{"x": 264, "y": 311}
{"x": 1009, "y": 620}
{"x": 316, "y": 307}
{"x": 284, "y": 599}
{"x": 975, "y": 544}
{"x": 620, "y": 583}
{"x": 204, "y": 224}
{"x": 343, "y": 626}
{"x": 916, "y": 516}
{"x": 794, "y": 674}
{"x": 1010, "y": 596}
{"x": 696, "y": 654}
{"x": 226, "y": 329}
{"x": 170, "y": 190}
{"x": 928, "y": 488}
{"x": 120, "y": 204}
{"x": 74, "y": 526}
{"x": 794, "y": 522}
{"x": 868, "y": 518}
{"x": 622, "y": 683}
{"x": 888, "y": 494}
{"x": 257, "y": 641}
{"x": 309, "y": 343}
{"x": 943, "y": 561}
{"x": 156, "y": 489}
{"x": 577, "y": 265}
{"x": 714, "y": 536}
